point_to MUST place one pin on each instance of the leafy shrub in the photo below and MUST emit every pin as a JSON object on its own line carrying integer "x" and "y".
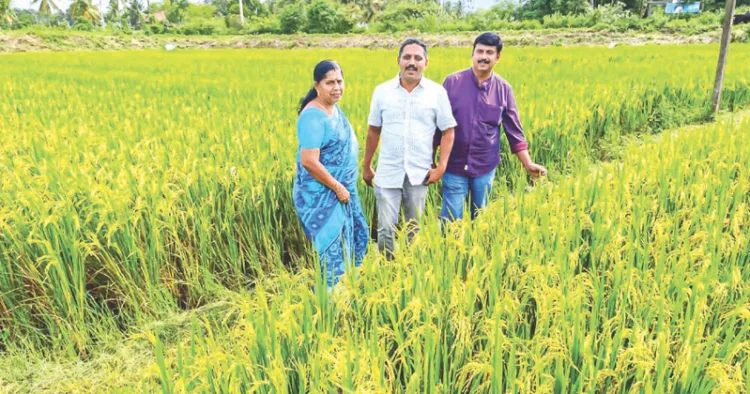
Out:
{"x": 676, "y": 25}
{"x": 200, "y": 28}
{"x": 321, "y": 17}
{"x": 346, "y": 17}
{"x": 200, "y": 11}
{"x": 401, "y": 16}
{"x": 268, "y": 25}
{"x": 83, "y": 24}
{"x": 292, "y": 18}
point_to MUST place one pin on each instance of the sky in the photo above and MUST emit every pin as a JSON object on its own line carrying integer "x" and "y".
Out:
{"x": 63, "y": 4}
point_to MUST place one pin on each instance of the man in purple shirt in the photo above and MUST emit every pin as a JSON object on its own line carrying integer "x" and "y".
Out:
{"x": 481, "y": 102}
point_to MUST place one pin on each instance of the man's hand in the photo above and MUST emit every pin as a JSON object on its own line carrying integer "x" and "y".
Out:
{"x": 434, "y": 175}
{"x": 536, "y": 170}
{"x": 367, "y": 175}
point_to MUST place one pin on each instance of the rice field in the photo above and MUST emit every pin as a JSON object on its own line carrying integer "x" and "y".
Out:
{"x": 631, "y": 276}
{"x": 137, "y": 185}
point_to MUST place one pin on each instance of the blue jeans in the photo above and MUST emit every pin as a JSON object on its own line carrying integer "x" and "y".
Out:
{"x": 456, "y": 189}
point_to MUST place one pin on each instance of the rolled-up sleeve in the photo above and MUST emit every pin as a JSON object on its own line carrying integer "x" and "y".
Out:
{"x": 376, "y": 116}
{"x": 512, "y": 124}
{"x": 445, "y": 119}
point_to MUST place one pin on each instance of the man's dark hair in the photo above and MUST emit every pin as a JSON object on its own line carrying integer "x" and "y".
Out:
{"x": 489, "y": 39}
{"x": 741, "y": 18}
{"x": 410, "y": 41}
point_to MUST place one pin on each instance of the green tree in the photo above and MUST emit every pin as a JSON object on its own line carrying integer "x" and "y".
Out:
{"x": 394, "y": 16}
{"x": 369, "y": 9}
{"x": 177, "y": 10}
{"x": 292, "y": 18}
{"x": 222, "y": 7}
{"x": 538, "y": 9}
{"x": 83, "y": 24}
{"x": 135, "y": 14}
{"x": 113, "y": 13}
{"x": 46, "y": 7}
{"x": 250, "y": 8}
{"x": 84, "y": 9}
{"x": 6, "y": 14}
{"x": 321, "y": 17}
{"x": 346, "y": 17}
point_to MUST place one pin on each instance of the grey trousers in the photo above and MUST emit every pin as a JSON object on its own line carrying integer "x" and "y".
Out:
{"x": 388, "y": 203}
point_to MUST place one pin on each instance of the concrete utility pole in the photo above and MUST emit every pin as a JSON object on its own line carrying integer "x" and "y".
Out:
{"x": 726, "y": 36}
{"x": 242, "y": 13}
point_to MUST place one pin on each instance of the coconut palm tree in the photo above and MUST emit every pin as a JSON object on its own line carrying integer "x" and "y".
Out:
{"x": 369, "y": 8}
{"x": 113, "y": 15}
{"x": 85, "y": 9}
{"x": 135, "y": 13}
{"x": 46, "y": 7}
{"x": 6, "y": 14}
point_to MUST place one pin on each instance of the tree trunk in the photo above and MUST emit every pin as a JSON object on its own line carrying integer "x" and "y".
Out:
{"x": 726, "y": 36}
{"x": 242, "y": 13}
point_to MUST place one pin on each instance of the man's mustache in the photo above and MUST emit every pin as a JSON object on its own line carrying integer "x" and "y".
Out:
{"x": 411, "y": 68}
{"x": 484, "y": 61}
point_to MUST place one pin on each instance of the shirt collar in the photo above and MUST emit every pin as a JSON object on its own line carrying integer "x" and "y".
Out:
{"x": 484, "y": 85}
{"x": 397, "y": 84}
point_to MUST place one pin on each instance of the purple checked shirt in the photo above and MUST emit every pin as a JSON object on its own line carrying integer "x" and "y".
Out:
{"x": 479, "y": 112}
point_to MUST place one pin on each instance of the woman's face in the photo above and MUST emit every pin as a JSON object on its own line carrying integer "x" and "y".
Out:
{"x": 331, "y": 88}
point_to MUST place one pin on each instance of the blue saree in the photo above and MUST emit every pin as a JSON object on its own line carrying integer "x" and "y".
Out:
{"x": 338, "y": 231}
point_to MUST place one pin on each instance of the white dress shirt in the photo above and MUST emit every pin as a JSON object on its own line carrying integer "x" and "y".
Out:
{"x": 408, "y": 124}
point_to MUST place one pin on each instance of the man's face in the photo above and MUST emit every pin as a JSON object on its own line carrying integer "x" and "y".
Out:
{"x": 484, "y": 58}
{"x": 412, "y": 62}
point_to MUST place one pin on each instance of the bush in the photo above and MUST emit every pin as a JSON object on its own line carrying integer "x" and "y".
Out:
{"x": 346, "y": 17}
{"x": 233, "y": 22}
{"x": 83, "y": 24}
{"x": 23, "y": 21}
{"x": 194, "y": 29}
{"x": 199, "y": 11}
{"x": 531, "y": 24}
{"x": 676, "y": 25}
{"x": 559, "y": 21}
{"x": 292, "y": 18}
{"x": 321, "y": 17}
{"x": 710, "y": 19}
{"x": 578, "y": 21}
{"x": 607, "y": 14}
{"x": 156, "y": 28}
{"x": 250, "y": 8}
{"x": 537, "y": 9}
{"x": 555, "y": 21}
{"x": 269, "y": 25}
{"x": 504, "y": 10}
{"x": 401, "y": 16}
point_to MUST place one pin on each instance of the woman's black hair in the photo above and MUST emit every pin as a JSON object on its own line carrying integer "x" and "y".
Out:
{"x": 321, "y": 69}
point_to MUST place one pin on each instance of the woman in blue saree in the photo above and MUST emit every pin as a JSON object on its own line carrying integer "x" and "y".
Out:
{"x": 325, "y": 186}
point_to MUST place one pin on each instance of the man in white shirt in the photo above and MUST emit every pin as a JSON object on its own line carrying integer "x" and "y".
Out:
{"x": 406, "y": 111}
